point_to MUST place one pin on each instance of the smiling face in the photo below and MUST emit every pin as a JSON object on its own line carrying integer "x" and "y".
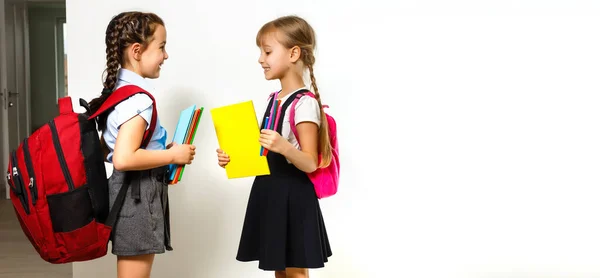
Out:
{"x": 274, "y": 57}
{"x": 154, "y": 54}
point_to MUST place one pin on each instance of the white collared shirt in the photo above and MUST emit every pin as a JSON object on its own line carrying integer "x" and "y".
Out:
{"x": 139, "y": 104}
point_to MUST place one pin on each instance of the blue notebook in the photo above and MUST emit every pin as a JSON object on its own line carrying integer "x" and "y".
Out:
{"x": 185, "y": 120}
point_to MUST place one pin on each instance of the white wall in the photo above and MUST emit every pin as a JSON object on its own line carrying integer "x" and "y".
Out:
{"x": 493, "y": 173}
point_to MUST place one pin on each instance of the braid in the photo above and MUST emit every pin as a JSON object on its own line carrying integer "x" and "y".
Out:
{"x": 113, "y": 55}
{"x": 324, "y": 143}
{"x": 313, "y": 80}
{"x": 113, "y": 62}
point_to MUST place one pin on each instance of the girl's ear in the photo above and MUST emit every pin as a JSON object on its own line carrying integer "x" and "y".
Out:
{"x": 136, "y": 51}
{"x": 295, "y": 54}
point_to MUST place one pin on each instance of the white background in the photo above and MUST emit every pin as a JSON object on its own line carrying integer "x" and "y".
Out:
{"x": 468, "y": 132}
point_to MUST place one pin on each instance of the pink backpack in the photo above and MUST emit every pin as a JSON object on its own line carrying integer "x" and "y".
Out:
{"x": 325, "y": 179}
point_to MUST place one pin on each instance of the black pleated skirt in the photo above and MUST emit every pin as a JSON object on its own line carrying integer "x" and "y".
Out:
{"x": 283, "y": 226}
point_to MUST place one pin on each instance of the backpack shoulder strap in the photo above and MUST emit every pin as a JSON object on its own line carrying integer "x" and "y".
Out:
{"x": 115, "y": 98}
{"x": 299, "y": 95}
{"x": 122, "y": 94}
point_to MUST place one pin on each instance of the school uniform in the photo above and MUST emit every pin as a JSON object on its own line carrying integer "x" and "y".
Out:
{"x": 142, "y": 225}
{"x": 283, "y": 226}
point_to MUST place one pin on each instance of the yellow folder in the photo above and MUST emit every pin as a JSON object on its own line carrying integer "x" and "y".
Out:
{"x": 238, "y": 133}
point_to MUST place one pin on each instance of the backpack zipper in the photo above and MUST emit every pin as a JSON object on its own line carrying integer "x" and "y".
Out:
{"x": 9, "y": 177}
{"x": 61, "y": 156}
{"x": 32, "y": 180}
{"x": 20, "y": 189}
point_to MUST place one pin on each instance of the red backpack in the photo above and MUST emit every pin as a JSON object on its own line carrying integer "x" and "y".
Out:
{"x": 325, "y": 180}
{"x": 58, "y": 183}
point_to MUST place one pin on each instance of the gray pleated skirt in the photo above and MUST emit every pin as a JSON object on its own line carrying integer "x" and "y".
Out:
{"x": 142, "y": 225}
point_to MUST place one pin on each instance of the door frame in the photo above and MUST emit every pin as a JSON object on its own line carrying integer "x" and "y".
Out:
{"x": 4, "y": 93}
{"x": 59, "y": 55}
{"x": 18, "y": 11}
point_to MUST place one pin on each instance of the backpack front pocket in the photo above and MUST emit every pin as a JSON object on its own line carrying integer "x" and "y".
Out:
{"x": 71, "y": 210}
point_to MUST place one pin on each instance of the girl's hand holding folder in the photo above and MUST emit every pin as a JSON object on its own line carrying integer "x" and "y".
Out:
{"x": 223, "y": 158}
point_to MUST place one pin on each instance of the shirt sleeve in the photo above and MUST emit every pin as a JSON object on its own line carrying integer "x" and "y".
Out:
{"x": 307, "y": 110}
{"x": 139, "y": 104}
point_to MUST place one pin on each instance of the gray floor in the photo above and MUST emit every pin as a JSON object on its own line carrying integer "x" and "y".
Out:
{"x": 17, "y": 256}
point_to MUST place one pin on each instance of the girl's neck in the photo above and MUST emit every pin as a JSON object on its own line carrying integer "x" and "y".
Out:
{"x": 130, "y": 67}
{"x": 290, "y": 83}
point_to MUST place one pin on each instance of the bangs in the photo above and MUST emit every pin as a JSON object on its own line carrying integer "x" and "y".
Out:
{"x": 266, "y": 30}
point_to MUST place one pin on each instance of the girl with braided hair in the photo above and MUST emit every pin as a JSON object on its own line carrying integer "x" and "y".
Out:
{"x": 135, "y": 51}
{"x": 283, "y": 228}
